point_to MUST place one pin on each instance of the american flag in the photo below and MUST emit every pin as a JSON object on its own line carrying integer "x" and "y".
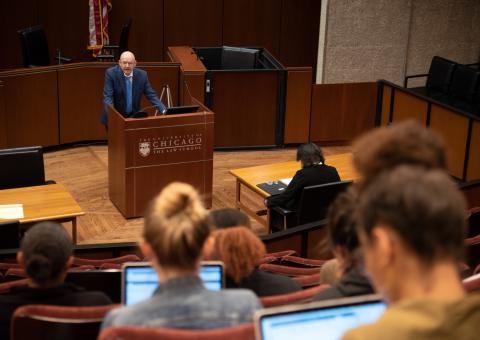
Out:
{"x": 98, "y": 24}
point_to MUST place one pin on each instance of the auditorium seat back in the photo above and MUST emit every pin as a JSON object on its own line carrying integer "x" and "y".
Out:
{"x": 440, "y": 74}
{"x": 57, "y": 322}
{"x": 242, "y": 332}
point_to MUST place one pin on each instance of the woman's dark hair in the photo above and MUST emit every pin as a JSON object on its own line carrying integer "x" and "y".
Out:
{"x": 309, "y": 154}
{"x": 229, "y": 217}
{"x": 424, "y": 207}
{"x": 341, "y": 220}
{"x": 342, "y": 223}
{"x": 46, "y": 248}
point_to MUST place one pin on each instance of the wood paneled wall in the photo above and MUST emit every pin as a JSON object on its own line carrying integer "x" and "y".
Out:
{"x": 340, "y": 112}
{"x": 287, "y": 28}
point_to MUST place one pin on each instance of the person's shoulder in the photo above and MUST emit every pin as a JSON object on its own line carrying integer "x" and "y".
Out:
{"x": 113, "y": 69}
{"x": 138, "y": 72}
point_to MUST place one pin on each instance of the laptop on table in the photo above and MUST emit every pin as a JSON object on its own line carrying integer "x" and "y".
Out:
{"x": 326, "y": 320}
{"x": 139, "y": 279}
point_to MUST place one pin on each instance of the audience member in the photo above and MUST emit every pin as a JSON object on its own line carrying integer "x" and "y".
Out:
{"x": 405, "y": 143}
{"x": 229, "y": 217}
{"x": 328, "y": 273}
{"x": 241, "y": 250}
{"x": 45, "y": 254}
{"x": 176, "y": 227}
{"x": 345, "y": 246}
{"x": 411, "y": 227}
{"x": 314, "y": 171}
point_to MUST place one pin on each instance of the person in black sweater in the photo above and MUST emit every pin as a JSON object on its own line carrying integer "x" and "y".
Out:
{"x": 45, "y": 254}
{"x": 314, "y": 172}
{"x": 240, "y": 249}
{"x": 345, "y": 245}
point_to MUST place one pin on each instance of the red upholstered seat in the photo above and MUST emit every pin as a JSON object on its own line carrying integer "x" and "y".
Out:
{"x": 472, "y": 283}
{"x": 57, "y": 322}
{"x": 308, "y": 280}
{"x": 98, "y": 262}
{"x": 296, "y": 261}
{"x": 242, "y": 332}
{"x": 289, "y": 271}
{"x": 302, "y": 296}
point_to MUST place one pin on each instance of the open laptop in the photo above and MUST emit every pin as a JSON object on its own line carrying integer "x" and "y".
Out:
{"x": 139, "y": 279}
{"x": 326, "y": 320}
{"x": 275, "y": 187}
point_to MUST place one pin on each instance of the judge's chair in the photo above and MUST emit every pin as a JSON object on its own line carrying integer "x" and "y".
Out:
{"x": 313, "y": 206}
{"x": 35, "y": 48}
{"x": 113, "y": 52}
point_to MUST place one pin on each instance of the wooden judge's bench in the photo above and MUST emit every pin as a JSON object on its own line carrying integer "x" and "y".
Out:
{"x": 146, "y": 154}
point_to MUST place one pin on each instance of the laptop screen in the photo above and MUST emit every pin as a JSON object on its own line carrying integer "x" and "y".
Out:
{"x": 139, "y": 280}
{"x": 326, "y": 321}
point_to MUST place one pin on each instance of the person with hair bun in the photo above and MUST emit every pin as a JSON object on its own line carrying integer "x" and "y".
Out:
{"x": 175, "y": 230}
{"x": 45, "y": 254}
{"x": 240, "y": 249}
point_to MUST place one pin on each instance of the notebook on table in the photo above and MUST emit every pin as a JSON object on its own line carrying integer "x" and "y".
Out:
{"x": 275, "y": 187}
{"x": 139, "y": 279}
{"x": 326, "y": 320}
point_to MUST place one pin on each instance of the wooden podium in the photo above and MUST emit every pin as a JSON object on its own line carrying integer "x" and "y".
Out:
{"x": 146, "y": 154}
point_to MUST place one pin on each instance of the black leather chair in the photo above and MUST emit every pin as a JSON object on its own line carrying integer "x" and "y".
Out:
{"x": 35, "y": 47}
{"x": 113, "y": 52}
{"x": 439, "y": 77}
{"x": 464, "y": 87}
{"x": 22, "y": 167}
{"x": 313, "y": 206}
{"x": 10, "y": 231}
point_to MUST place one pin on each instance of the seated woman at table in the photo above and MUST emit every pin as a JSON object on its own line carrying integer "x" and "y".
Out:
{"x": 240, "y": 249}
{"x": 45, "y": 254}
{"x": 314, "y": 171}
{"x": 175, "y": 230}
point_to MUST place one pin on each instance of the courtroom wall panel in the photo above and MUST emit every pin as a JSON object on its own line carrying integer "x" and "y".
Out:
{"x": 299, "y": 35}
{"x": 245, "y": 106}
{"x": 146, "y": 34}
{"x": 3, "y": 118}
{"x": 252, "y": 23}
{"x": 31, "y": 108}
{"x": 66, "y": 27}
{"x": 287, "y": 28}
{"x": 79, "y": 110}
{"x": 298, "y": 105}
{"x": 340, "y": 112}
{"x": 14, "y": 15}
{"x": 193, "y": 23}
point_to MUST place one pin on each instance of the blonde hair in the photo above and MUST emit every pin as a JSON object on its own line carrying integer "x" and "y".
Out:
{"x": 240, "y": 249}
{"x": 176, "y": 226}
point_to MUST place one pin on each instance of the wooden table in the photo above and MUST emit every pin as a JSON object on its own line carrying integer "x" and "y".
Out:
{"x": 251, "y": 176}
{"x": 45, "y": 203}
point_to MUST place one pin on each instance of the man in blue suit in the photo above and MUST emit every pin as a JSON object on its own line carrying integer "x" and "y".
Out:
{"x": 124, "y": 86}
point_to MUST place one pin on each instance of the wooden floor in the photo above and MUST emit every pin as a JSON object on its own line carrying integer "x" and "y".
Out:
{"x": 83, "y": 171}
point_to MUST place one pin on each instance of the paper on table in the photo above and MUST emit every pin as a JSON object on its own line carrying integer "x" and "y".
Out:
{"x": 286, "y": 181}
{"x": 11, "y": 211}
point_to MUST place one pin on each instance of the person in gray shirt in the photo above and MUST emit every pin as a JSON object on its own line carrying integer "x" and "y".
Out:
{"x": 175, "y": 230}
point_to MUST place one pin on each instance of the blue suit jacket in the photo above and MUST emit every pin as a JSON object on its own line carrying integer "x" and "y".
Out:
{"x": 114, "y": 91}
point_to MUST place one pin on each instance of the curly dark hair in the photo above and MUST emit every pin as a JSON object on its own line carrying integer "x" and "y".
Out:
{"x": 403, "y": 143}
